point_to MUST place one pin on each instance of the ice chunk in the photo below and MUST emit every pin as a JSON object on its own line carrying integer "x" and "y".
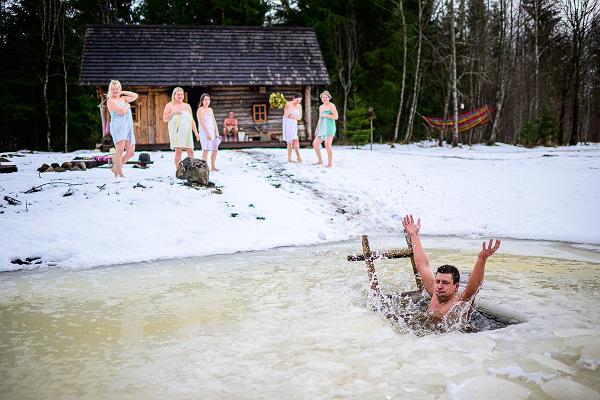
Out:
{"x": 576, "y": 332}
{"x": 567, "y": 389}
{"x": 590, "y": 357}
{"x": 482, "y": 387}
{"x": 551, "y": 363}
{"x": 468, "y": 343}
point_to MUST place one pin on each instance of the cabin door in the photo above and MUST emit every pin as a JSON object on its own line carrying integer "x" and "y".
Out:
{"x": 160, "y": 100}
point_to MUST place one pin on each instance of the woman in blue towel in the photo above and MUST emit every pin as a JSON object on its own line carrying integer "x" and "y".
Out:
{"x": 121, "y": 125}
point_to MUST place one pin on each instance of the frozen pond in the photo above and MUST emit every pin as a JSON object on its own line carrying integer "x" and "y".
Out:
{"x": 293, "y": 323}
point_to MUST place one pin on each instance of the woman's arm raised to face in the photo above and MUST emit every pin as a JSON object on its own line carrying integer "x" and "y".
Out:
{"x": 129, "y": 96}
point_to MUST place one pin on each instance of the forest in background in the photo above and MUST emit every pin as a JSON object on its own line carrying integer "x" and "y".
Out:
{"x": 536, "y": 62}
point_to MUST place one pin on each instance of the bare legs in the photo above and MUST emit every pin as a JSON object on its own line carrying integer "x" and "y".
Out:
{"x": 294, "y": 146}
{"x": 317, "y": 147}
{"x": 230, "y": 135}
{"x": 178, "y": 151}
{"x": 190, "y": 152}
{"x": 328, "y": 143}
{"x": 213, "y": 158}
{"x": 119, "y": 158}
{"x": 130, "y": 149}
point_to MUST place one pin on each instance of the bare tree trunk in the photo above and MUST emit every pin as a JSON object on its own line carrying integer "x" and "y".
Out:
{"x": 346, "y": 45}
{"x": 505, "y": 60}
{"x": 499, "y": 106}
{"x": 63, "y": 35}
{"x": 579, "y": 15}
{"x": 415, "y": 97}
{"x": 446, "y": 105}
{"x": 575, "y": 105}
{"x": 453, "y": 72}
{"x": 482, "y": 70}
{"x": 563, "y": 111}
{"x": 405, "y": 49}
{"x": 536, "y": 89}
{"x": 49, "y": 15}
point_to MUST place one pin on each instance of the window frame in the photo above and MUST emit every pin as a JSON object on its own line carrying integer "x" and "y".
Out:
{"x": 135, "y": 115}
{"x": 260, "y": 110}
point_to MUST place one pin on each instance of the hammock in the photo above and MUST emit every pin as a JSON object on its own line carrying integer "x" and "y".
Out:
{"x": 472, "y": 119}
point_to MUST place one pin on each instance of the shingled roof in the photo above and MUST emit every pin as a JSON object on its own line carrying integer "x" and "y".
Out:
{"x": 173, "y": 55}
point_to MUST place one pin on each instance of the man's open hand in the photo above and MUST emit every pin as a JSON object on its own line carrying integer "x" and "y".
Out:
{"x": 486, "y": 252}
{"x": 410, "y": 227}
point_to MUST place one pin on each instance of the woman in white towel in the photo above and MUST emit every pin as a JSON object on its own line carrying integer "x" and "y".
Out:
{"x": 209, "y": 132}
{"x": 292, "y": 113}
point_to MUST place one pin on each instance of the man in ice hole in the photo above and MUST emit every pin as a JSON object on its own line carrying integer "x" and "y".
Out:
{"x": 443, "y": 287}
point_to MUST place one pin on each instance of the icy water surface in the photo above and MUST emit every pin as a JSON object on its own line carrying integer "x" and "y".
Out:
{"x": 293, "y": 323}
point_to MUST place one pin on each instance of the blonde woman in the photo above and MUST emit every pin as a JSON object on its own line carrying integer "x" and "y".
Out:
{"x": 178, "y": 115}
{"x": 209, "y": 132}
{"x": 325, "y": 130}
{"x": 121, "y": 125}
{"x": 292, "y": 113}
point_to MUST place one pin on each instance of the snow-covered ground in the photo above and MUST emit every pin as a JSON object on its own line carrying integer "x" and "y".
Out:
{"x": 264, "y": 202}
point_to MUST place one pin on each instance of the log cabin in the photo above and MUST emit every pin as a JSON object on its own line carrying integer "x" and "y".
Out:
{"x": 238, "y": 66}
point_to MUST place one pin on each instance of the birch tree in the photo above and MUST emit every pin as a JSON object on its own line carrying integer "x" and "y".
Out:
{"x": 403, "y": 83}
{"x": 62, "y": 36}
{"x": 346, "y": 52}
{"x": 49, "y": 14}
{"x": 453, "y": 77}
{"x": 504, "y": 61}
{"x": 417, "y": 79}
{"x": 579, "y": 16}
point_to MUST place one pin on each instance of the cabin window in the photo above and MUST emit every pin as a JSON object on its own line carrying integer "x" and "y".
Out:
{"x": 259, "y": 113}
{"x": 134, "y": 114}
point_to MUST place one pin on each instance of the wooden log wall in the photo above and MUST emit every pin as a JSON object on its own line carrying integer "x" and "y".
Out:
{"x": 240, "y": 101}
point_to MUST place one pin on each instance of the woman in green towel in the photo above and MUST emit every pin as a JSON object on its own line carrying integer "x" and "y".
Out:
{"x": 325, "y": 130}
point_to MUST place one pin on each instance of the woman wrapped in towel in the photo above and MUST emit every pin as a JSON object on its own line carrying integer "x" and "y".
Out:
{"x": 209, "y": 132}
{"x": 178, "y": 115}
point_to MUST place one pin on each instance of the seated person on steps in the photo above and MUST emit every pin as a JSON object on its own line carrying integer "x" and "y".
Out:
{"x": 446, "y": 302}
{"x": 230, "y": 128}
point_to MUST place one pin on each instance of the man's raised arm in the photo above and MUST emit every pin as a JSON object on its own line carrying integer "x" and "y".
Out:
{"x": 476, "y": 278}
{"x": 421, "y": 261}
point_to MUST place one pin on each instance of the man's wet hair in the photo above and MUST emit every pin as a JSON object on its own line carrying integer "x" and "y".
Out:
{"x": 450, "y": 269}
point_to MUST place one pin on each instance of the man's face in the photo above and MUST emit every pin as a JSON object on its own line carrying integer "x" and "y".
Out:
{"x": 444, "y": 288}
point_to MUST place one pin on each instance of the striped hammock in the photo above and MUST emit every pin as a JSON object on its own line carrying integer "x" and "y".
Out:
{"x": 472, "y": 119}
